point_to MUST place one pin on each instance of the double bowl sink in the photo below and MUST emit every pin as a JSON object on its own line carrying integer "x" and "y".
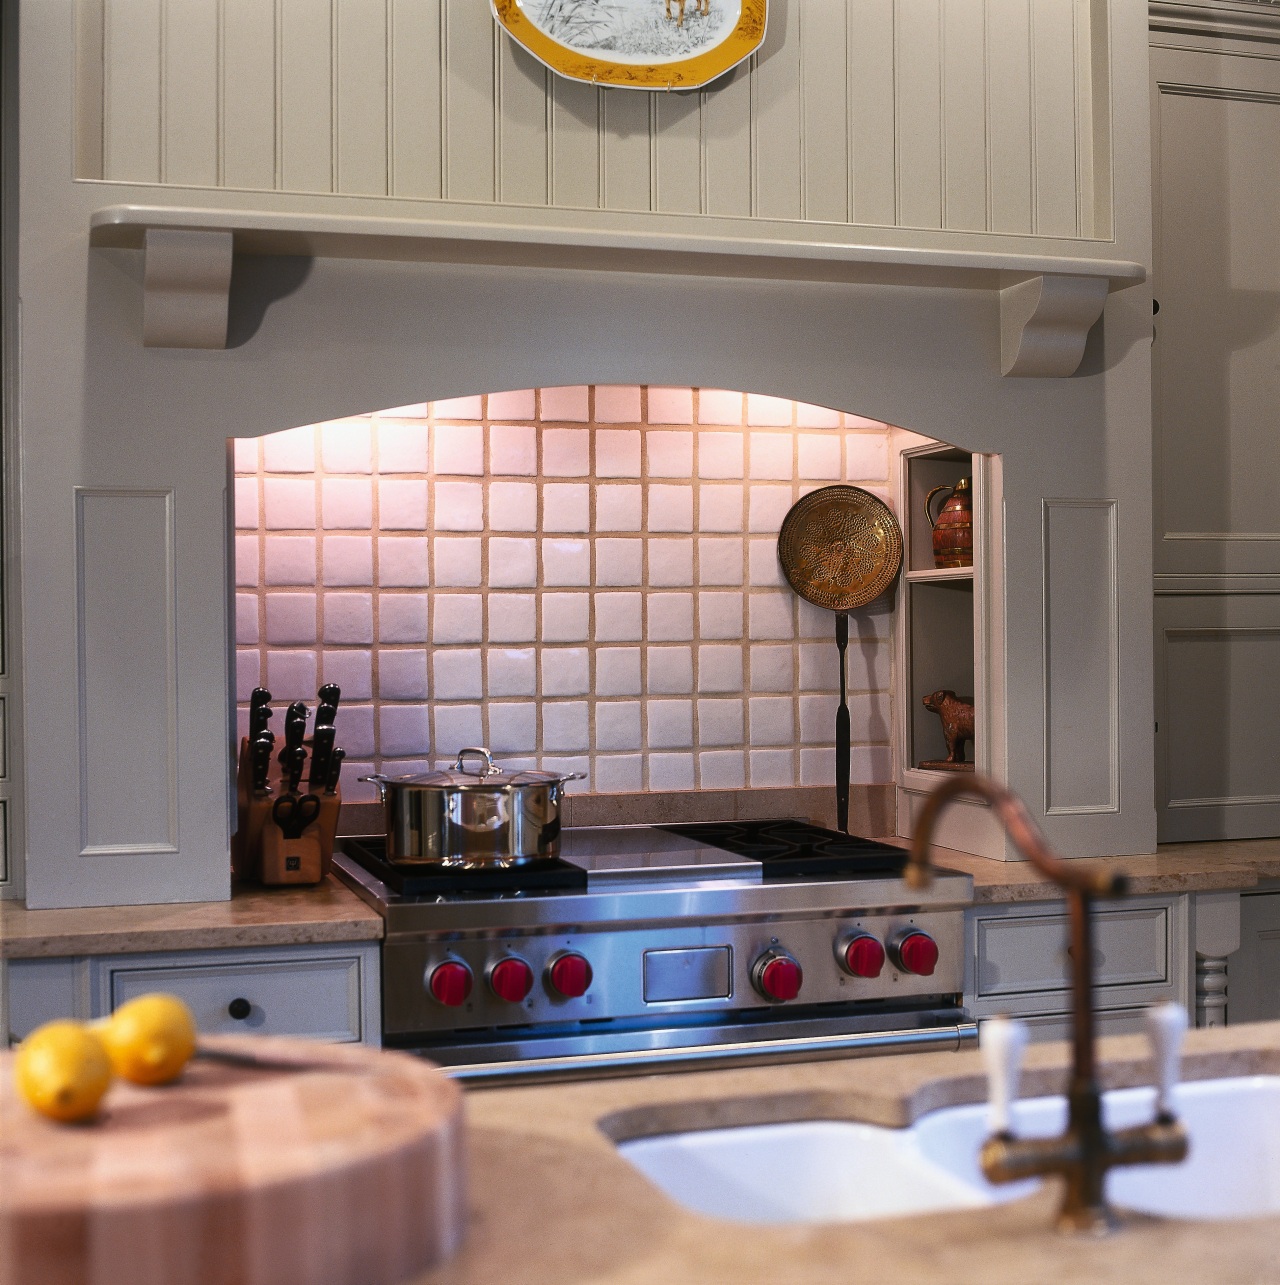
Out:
{"x": 819, "y": 1171}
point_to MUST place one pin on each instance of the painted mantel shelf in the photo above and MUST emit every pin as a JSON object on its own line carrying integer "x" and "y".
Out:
{"x": 1048, "y": 303}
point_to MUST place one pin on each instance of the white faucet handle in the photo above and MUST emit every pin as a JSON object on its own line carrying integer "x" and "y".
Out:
{"x": 1003, "y": 1042}
{"x": 1166, "y": 1026}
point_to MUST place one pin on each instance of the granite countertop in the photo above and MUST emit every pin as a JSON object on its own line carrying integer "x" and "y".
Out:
{"x": 552, "y": 1202}
{"x": 253, "y": 917}
{"x": 1175, "y": 868}
{"x": 330, "y": 912}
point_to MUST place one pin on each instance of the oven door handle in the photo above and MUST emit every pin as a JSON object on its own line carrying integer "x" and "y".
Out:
{"x": 950, "y": 1038}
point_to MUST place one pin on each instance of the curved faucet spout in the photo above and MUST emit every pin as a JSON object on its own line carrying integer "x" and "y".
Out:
{"x": 1084, "y": 1153}
{"x": 1019, "y": 826}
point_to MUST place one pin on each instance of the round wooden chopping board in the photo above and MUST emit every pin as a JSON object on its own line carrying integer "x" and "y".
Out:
{"x": 321, "y": 1165}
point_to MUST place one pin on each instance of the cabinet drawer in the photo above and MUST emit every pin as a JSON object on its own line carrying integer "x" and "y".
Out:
{"x": 1114, "y": 1021}
{"x": 317, "y": 997}
{"x": 1027, "y": 954}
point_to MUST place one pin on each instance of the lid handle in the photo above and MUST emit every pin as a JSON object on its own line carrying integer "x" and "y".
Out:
{"x": 490, "y": 768}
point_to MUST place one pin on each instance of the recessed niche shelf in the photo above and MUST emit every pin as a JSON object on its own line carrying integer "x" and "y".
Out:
{"x": 948, "y": 636}
{"x": 940, "y": 575}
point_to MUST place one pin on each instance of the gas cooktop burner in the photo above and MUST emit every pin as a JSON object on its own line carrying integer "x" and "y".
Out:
{"x": 795, "y": 849}
{"x": 552, "y": 875}
{"x": 773, "y": 850}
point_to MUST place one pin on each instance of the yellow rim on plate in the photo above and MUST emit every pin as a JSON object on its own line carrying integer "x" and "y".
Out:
{"x": 686, "y": 73}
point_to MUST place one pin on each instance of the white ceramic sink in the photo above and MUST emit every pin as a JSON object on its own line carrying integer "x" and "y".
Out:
{"x": 829, "y": 1171}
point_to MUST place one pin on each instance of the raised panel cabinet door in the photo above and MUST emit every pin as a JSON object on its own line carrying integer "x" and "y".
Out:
{"x": 1216, "y": 151}
{"x": 1027, "y": 954}
{"x": 1217, "y": 657}
{"x": 321, "y": 992}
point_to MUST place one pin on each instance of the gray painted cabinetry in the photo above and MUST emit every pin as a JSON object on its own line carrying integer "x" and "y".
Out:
{"x": 1018, "y": 962}
{"x": 329, "y": 991}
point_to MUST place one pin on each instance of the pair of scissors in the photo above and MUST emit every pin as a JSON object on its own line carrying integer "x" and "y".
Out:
{"x": 293, "y": 814}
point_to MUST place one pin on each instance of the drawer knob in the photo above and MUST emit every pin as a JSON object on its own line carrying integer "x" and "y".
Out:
{"x": 239, "y": 1009}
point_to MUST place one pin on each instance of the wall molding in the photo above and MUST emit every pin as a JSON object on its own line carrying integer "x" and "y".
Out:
{"x": 1048, "y": 303}
{"x": 125, "y": 789}
{"x": 1110, "y": 739}
{"x": 1215, "y": 583}
{"x": 1243, "y": 20}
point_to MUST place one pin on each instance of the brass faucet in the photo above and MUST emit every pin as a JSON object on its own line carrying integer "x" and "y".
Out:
{"x": 1083, "y": 1154}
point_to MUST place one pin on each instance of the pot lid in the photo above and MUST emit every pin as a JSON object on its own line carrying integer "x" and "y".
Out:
{"x": 482, "y": 775}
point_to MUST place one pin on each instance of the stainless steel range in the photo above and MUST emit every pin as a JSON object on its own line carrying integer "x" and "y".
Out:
{"x": 648, "y": 948}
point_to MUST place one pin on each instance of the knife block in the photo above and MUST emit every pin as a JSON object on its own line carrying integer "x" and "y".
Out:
{"x": 255, "y": 829}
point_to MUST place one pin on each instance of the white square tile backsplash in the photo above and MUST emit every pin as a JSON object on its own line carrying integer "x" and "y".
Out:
{"x": 581, "y": 578}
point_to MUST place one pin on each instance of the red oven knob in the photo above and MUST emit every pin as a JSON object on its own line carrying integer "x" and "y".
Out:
{"x": 450, "y": 983}
{"x": 917, "y": 953}
{"x": 777, "y": 976}
{"x": 569, "y": 974}
{"x": 511, "y": 979}
{"x": 863, "y": 956}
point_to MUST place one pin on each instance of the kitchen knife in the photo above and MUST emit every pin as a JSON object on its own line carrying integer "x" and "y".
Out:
{"x": 321, "y": 751}
{"x": 335, "y": 768}
{"x": 295, "y": 728}
{"x": 260, "y": 763}
{"x": 259, "y": 712}
{"x": 293, "y": 765}
{"x": 329, "y": 696}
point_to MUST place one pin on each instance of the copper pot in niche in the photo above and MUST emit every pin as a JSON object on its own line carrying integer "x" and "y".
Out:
{"x": 953, "y": 527}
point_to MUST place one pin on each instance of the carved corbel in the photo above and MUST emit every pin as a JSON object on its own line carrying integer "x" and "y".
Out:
{"x": 1045, "y": 321}
{"x": 186, "y": 288}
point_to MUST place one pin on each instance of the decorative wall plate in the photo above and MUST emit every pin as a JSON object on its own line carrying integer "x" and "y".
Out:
{"x": 636, "y": 44}
{"x": 840, "y": 547}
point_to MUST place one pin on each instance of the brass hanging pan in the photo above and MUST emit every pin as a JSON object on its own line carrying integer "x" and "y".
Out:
{"x": 840, "y": 547}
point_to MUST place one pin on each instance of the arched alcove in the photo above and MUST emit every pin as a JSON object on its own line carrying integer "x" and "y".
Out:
{"x": 582, "y": 578}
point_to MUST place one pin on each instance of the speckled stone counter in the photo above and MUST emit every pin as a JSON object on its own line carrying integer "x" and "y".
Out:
{"x": 1175, "y": 868}
{"x": 253, "y": 917}
{"x": 552, "y": 1203}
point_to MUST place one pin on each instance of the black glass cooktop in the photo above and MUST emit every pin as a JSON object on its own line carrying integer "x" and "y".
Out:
{"x": 550, "y": 875}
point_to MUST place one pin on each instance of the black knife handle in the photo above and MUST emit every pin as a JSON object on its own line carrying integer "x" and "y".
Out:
{"x": 335, "y": 769}
{"x": 260, "y": 763}
{"x": 297, "y": 758}
{"x": 295, "y": 724}
{"x": 259, "y": 713}
{"x": 326, "y": 713}
{"x": 321, "y": 752}
{"x": 329, "y": 694}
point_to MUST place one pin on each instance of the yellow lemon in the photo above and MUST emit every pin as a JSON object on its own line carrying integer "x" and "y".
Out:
{"x": 62, "y": 1070}
{"x": 150, "y": 1039}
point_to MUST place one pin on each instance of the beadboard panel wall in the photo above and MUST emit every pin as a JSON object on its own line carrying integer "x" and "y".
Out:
{"x": 582, "y": 579}
{"x": 956, "y": 115}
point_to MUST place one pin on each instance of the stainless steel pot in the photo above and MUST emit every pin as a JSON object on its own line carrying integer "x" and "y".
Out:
{"x": 482, "y": 816}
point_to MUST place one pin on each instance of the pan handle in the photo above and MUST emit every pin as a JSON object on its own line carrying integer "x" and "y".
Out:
{"x": 490, "y": 768}
{"x": 381, "y": 782}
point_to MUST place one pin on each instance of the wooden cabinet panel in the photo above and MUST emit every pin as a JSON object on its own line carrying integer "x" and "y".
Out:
{"x": 327, "y": 992}
{"x": 1018, "y": 962}
{"x": 1253, "y": 972}
{"x": 1028, "y": 954}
